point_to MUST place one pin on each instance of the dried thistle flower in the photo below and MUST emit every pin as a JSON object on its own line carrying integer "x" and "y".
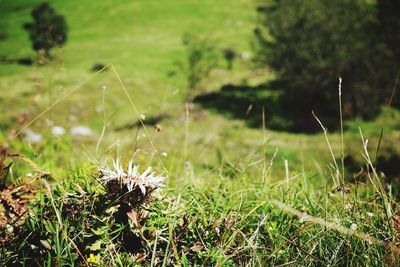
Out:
{"x": 147, "y": 181}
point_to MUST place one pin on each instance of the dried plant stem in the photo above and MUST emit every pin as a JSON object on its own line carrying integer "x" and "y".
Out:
{"x": 187, "y": 111}
{"x": 264, "y": 169}
{"x": 341, "y": 127}
{"x": 334, "y": 226}
{"x": 140, "y": 119}
{"x": 103, "y": 131}
{"x": 325, "y": 130}
{"x": 388, "y": 107}
{"x": 376, "y": 183}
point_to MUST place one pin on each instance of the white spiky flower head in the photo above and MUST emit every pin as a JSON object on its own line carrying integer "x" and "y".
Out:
{"x": 131, "y": 177}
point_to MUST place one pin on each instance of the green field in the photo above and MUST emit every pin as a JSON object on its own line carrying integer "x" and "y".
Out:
{"x": 224, "y": 179}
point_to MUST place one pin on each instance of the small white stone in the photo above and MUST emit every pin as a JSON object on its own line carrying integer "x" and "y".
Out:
{"x": 81, "y": 131}
{"x": 33, "y": 137}
{"x": 245, "y": 55}
{"x": 353, "y": 226}
{"x": 58, "y": 131}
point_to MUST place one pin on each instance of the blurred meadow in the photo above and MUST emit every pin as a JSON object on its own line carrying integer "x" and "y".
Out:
{"x": 217, "y": 97}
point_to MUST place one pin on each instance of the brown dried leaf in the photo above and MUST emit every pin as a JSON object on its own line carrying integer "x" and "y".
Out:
{"x": 22, "y": 118}
{"x": 396, "y": 221}
{"x": 4, "y": 170}
{"x": 139, "y": 257}
{"x": 3, "y": 155}
{"x": 143, "y": 214}
{"x": 134, "y": 216}
{"x": 197, "y": 248}
{"x": 396, "y": 227}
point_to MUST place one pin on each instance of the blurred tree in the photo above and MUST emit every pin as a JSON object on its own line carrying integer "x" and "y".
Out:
{"x": 388, "y": 32}
{"x": 389, "y": 25}
{"x": 47, "y": 30}
{"x": 310, "y": 44}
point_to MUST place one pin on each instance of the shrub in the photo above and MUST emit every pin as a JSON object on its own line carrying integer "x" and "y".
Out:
{"x": 310, "y": 44}
{"x": 47, "y": 30}
{"x": 201, "y": 58}
{"x": 229, "y": 56}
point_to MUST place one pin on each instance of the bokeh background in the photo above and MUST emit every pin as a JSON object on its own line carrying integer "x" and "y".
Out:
{"x": 214, "y": 82}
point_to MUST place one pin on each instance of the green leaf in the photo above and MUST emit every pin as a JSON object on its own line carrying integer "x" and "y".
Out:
{"x": 96, "y": 245}
{"x": 98, "y": 232}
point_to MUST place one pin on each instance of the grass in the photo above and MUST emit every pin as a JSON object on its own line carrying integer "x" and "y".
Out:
{"x": 229, "y": 198}
{"x": 216, "y": 224}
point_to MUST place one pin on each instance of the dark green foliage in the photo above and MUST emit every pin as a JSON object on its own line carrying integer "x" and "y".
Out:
{"x": 229, "y": 55}
{"x": 389, "y": 25}
{"x": 201, "y": 58}
{"x": 47, "y": 30}
{"x": 312, "y": 43}
{"x": 389, "y": 36}
{"x": 3, "y": 36}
